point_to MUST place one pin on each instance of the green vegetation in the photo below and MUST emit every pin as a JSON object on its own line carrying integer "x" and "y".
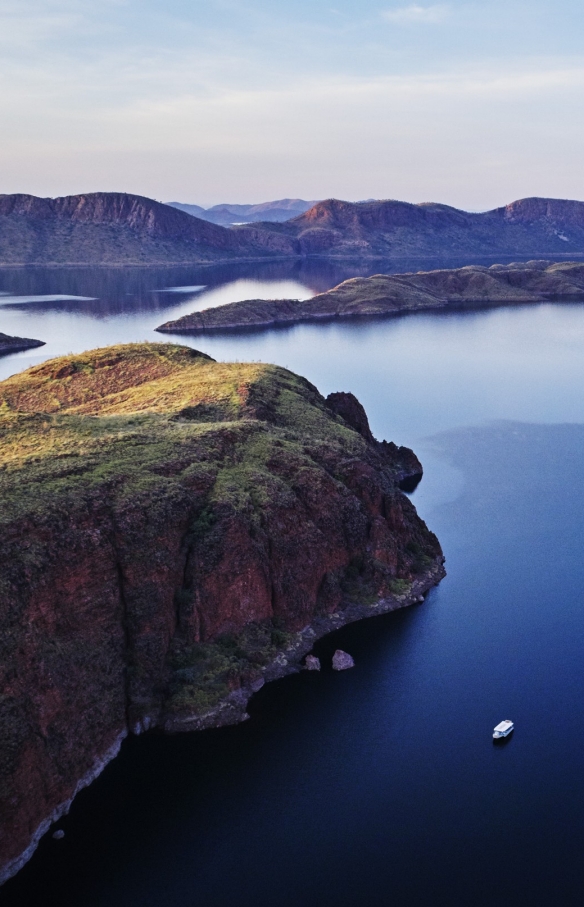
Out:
{"x": 400, "y": 586}
{"x": 169, "y": 527}
{"x": 204, "y": 673}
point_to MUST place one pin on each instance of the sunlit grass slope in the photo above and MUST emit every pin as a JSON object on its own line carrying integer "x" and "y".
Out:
{"x": 138, "y": 412}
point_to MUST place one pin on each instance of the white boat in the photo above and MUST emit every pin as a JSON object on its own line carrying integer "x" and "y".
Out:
{"x": 503, "y": 729}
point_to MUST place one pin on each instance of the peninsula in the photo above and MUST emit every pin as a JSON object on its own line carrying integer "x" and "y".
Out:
{"x": 391, "y": 294}
{"x": 15, "y": 344}
{"x": 176, "y": 531}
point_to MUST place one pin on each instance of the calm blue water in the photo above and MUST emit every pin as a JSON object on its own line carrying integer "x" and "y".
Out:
{"x": 381, "y": 785}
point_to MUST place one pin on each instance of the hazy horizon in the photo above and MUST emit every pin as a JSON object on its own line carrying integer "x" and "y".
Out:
{"x": 286, "y": 198}
{"x": 462, "y": 103}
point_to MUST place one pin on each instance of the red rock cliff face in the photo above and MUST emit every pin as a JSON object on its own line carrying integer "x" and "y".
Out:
{"x": 141, "y": 541}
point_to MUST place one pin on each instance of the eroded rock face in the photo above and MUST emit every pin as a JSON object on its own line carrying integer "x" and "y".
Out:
{"x": 348, "y": 407}
{"x": 157, "y": 562}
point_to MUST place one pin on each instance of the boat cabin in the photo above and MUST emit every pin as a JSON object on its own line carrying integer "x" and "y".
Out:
{"x": 503, "y": 729}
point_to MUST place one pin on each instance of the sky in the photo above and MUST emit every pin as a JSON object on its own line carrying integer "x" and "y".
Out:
{"x": 473, "y": 104}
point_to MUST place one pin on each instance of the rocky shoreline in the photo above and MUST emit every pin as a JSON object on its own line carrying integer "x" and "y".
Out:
{"x": 10, "y": 869}
{"x": 233, "y": 709}
{"x": 174, "y": 533}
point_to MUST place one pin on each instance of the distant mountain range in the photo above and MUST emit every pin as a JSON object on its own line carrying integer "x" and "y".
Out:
{"x": 537, "y": 227}
{"x": 227, "y": 215}
{"x": 110, "y": 228}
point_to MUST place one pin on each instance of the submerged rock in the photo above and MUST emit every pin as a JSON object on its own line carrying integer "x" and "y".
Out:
{"x": 342, "y": 661}
{"x": 312, "y": 663}
{"x": 59, "y": 834}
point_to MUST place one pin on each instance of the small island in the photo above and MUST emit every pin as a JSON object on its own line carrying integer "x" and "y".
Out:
{"x": 16, "y": 344}
{"x": 393, "y": 294}
{"x": 174, "y": 533}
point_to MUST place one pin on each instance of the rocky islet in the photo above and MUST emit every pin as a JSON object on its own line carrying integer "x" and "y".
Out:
{"x": 473, "y": 286}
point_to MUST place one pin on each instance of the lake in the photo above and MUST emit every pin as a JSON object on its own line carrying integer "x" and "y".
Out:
{"x": 381, "y": 785}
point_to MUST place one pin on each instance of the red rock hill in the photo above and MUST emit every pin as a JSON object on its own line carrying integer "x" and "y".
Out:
{"x": 113, "y": 227}
{"x": 536, "y": 227}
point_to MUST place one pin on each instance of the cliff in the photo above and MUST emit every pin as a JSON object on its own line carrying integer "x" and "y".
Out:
{"x": 536, "y": 227}
{"x": 14, "y": 344}
{"x": 115, "y": 228}
{"x": 391, "y": 294}
{"x": 174, "y": 532}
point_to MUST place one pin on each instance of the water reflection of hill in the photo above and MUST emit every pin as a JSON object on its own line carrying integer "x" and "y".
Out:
{"x": 317, "y": 273}
{"x": 119, "y": 291}
{"x": 115, "y": 282}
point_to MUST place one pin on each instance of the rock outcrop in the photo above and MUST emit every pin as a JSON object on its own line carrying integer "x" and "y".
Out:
{"x": 175, "y": 532}
{"x": 312, "y": 663}
{"x": 391, "y": 294}
{"x": 15, "y": 344}
{"x": 342, "y": 661}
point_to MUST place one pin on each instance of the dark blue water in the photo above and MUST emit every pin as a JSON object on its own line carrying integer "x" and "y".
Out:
{"x": 381, "y": 785}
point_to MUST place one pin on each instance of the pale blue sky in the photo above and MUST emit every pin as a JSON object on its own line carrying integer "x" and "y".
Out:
{"x": 469, "y": 103}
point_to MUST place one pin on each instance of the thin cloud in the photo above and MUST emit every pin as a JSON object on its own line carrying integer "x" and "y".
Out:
{"x": 414, "y": 14}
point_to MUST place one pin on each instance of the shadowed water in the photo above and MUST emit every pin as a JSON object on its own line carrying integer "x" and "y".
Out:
{"x": 381, "y": 785}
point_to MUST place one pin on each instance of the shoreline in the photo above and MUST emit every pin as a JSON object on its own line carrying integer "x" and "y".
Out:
{"x": 17, "y": 344}
{"x": 233, "y": 709}
{"x": 410, "y": 256}
{"x": 471, "y": 287}
{"x": 439, "y": 308}
{"x": 14, "y": 866}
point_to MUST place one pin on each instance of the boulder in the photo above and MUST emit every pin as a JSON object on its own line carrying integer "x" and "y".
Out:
{"x": 312, "y": 663}
{"x": 342, "y": 661}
